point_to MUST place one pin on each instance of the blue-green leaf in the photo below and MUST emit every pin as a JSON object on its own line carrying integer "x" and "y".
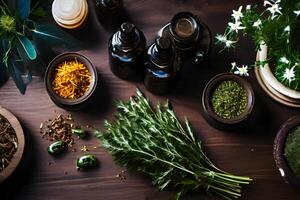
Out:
{"x": 16, "y": 75}
{"x": 54, "y": 36}
{"x": 28, "y": 47}
{"x": 21, "y": 7}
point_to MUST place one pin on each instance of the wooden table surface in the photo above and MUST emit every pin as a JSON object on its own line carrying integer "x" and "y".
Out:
{"x": 243, "y": 152}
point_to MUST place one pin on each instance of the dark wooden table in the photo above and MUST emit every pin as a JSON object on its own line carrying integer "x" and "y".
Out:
{"x": 244, "y": 152}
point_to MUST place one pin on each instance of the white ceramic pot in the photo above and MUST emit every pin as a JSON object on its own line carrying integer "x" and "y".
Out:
{"x": 271, "y": 85}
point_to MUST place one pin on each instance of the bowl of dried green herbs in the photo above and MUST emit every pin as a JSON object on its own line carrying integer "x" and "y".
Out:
{"x": 227, "y": 101}
{"x": 12, "y": 143}
{"x": 287, "y": 150}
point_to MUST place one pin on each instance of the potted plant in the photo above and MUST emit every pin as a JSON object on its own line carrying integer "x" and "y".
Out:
{"x": 18, "y": 30}
{"x": 275, "y": 31}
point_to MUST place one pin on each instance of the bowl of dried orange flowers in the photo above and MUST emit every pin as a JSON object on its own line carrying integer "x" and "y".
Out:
{"x": 71, "y": 80}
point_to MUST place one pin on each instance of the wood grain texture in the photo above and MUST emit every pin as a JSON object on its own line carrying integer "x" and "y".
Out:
{"x": 243, "y": 152}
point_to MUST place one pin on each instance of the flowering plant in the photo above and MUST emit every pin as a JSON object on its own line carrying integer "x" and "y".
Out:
{"x": 278, "y": 27}
{"x": 17, "y": 31}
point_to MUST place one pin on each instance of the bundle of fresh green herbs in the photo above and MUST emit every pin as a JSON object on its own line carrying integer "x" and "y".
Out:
{"x": 154, "y": 142}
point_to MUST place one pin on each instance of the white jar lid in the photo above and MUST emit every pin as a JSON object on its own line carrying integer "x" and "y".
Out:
{"x": 69, "y": 13}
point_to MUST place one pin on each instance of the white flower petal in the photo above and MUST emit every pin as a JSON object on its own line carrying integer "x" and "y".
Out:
{"x": 297, "y": 12}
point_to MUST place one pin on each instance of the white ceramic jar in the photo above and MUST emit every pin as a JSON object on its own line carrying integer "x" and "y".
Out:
{"x": 70, "y": 14}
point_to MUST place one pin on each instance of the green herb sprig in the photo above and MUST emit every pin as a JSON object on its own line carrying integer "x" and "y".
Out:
{"x": 154, "y": 142}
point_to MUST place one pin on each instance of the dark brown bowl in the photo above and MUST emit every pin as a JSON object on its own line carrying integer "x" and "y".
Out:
{"x": 278, "y": 151}
{"x": 67, "y": 103}
{"x": 212, "y": 117}
{"x": 8, "y": 171}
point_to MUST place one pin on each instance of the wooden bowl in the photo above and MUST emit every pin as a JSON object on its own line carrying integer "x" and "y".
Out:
{"x": 278, "y": 151}
{"x": 212, "y": 117}
{"x": 70, "y": 104}
{"x": 6, "y": 172}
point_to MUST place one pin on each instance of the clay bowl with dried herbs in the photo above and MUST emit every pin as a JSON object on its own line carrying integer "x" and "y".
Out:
{"x": 12, "y": 143}
{"x": 71, "y": 80}
{"x": 286, "y": 151}
{"x": 227, "y": 101}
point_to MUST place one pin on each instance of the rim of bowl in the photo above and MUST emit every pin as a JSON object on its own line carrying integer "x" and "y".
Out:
{"x": 70, "y": 56}
{"x": 278, "y": 151}
{"x": 15, "y": 161}
{"x": 210, "y": 88}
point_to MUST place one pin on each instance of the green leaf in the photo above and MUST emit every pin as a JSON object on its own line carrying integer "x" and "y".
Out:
{"x": 54, "y": 36}
{"x": 28, "y": 47}
{"x": 13, "y": 69}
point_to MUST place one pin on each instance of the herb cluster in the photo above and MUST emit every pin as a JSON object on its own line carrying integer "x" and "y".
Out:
{"x": 277, "y": 26}
{"x": 229, "y": 100}
{"x": 154, "y": 142}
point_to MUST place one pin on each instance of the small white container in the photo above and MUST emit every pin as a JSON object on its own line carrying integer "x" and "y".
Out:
{"x": 70, "y": 14}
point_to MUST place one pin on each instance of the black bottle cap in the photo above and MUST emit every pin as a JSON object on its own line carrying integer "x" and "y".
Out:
{"x": 163, "y": 43}
{"x": 127, "y": 28}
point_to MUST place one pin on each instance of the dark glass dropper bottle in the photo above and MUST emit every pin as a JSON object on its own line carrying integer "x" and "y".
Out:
{"x": 161, "y": 66}
{"x": 126, "y": 52}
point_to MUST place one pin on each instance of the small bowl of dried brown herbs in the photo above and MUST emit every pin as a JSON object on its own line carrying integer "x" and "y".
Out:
{"x": 12, "y": 143}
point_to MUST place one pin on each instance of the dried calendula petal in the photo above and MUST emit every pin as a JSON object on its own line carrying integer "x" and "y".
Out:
{"x": 71, "y": 79}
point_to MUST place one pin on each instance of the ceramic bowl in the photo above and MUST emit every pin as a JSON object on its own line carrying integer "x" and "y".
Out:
{"x": 278, "y": 151}
{"x": 212, "y": 117}
{"x": 269, "y": 83}
{"x": 8, "y": 171}
{"x": 69, "y": 104}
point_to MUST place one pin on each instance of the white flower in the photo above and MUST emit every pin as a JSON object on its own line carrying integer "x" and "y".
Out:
{"x": 233, "y": 64}
{"x": 221, "y": 38}
{"x": 287, "y": 29}
{"x": 237, "y": 15}
{"x": 274, "y": 8}
{"x": 242, "y": 71}
{"x": 289, "y": 74}
{"x": 229, "y": 43}
{"x": 236, "y": 26}
{"x": 257, "y": 24}
{"x": 297, "y": 12}
{"x": 284, "y": 60}
{"x": 248, "y": 7}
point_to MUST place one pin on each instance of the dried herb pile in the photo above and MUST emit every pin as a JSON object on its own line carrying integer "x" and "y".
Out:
{"x": 229, "y": 100}
{"x": 8, "y": 142}
{"x": 59, "y": 129}
{"x": 154, "y": 142}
